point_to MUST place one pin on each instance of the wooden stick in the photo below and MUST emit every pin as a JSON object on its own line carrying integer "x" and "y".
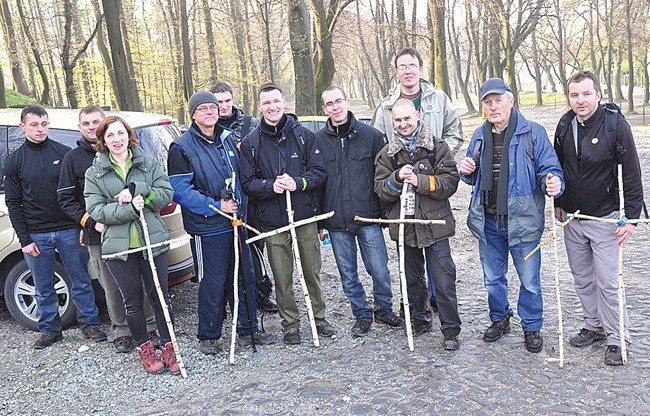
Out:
{"x": 557, "y": 288}
{"x": 172, "y": 243}
{"x": 235, "y": 313}
{"x": 400, "y": 221}
{"x": 610, "y": 220}
{"x": 230, "y": 217}
{"x": 292, "y": 225}
{"x": 296, "y": 258}
{"x": 553, "y": 233}
{"x": 621, "y": 317}
{"x": 402, "y": 269}
{"x": 161, "y": 297}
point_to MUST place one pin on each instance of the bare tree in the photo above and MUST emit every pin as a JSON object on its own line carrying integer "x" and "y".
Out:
{"x": 303, "y": 65}
{"x": 45, "y": 96}
{"x": 11, "y": 43}
{"x": 437, "y": 8}
{"x": 209, "y": 35}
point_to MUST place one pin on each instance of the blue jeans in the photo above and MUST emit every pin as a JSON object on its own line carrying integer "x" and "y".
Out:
{"x": 75, "y": 259}
{"x": 494, "y": 258}
{"x": 375, "y": 259}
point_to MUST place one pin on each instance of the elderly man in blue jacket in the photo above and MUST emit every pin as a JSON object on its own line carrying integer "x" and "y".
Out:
{"x": 201, "y": 163}
{"x": 506, "y": 212}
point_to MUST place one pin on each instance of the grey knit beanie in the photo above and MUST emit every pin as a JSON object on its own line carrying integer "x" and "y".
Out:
{"x": 201, "y": 97}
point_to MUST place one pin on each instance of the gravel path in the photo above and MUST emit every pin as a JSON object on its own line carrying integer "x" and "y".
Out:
{"x": 375, "y": 375}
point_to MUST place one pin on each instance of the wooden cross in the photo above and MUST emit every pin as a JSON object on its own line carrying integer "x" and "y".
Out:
{"x": 402, "y": 221}
{"x": 621, "y": 221}
{"x": 291, "y": 227}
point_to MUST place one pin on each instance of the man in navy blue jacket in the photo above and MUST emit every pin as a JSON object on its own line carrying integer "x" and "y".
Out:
{"x": 282, "y": 155}
{"x": 201, "y": 165}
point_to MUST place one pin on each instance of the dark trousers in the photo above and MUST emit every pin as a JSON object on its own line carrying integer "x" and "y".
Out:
{"x": 214, "y": 262}
{"x": 134, "y": 278}
{"x": 443, "y": 274}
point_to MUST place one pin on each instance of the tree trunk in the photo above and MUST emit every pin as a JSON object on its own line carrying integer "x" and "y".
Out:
{"x": 127, "y": 90}
{"x": 537, "y": 70}
{"x": 236, "y": 19}
{"x": 402, "y": 36}
{"x": 209, "y": 35}
{"x": 188, "y": 85}
{"x": 3, "y": 97}
{"x": 455, "y": 44}
{"x": 45, "y": 96}
{"x": 630, "y": 56}
{"x": 10, "y": 36}
{"x": 438, "y": 17}
{"x": 302, "y": 63}
{"x": 560, "y": 48}
{"x": 103, "y": 49}
{"x": 264, "y": 8}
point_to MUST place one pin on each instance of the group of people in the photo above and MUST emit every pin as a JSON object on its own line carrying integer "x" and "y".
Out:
{"x": 228, "y": 164}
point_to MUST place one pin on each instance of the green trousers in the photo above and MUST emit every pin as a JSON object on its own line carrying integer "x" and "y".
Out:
{"x": 280, "y": 255}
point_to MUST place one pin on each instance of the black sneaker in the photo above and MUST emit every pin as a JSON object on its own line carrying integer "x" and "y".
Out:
{"x": 210, "y": 346}
{"x": 266, "y": 304}
{"x": 434, "y": 305}
{"x": 123, "y": 344}
{"x": 95, "y": 334}
{"x": 291, "y": 336}
{"x": 46, "y": 340}
{"x": 585, "y": 337}
{"x": 451, "y": 343}
{"x": 533, "y": 341}
{"x": 361, "y": 328}
{"x": 324, "y": 328}
{"x": 390, "y": 319}
{"x": 421, "y": 328}
{"x": 261, "y": 338}
{"x": 154, "y": 338}
{"x": 497, "y": 329}
{"x": 613, "y": 355}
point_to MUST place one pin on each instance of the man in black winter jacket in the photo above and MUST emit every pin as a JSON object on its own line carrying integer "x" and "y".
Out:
{"x": 32, "y": 175}
{"x": 71, "y": 198}
{"x": 589, "y": 156}
{"x": 349, "y": 148}
{"x": 281, "y": 155}
{"x": 233, "y": 118}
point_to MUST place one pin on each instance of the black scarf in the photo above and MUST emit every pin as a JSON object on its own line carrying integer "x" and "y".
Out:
{"x": 487, "y": 166}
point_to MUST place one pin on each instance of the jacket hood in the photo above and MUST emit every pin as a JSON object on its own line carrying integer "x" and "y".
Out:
{"x": 426, "y": 88}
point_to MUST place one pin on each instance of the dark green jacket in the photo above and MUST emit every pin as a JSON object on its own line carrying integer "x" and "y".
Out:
{"x": 103, "y": 183}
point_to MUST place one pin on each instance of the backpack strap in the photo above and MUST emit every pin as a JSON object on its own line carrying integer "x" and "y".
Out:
{"x": 246, "y": 126}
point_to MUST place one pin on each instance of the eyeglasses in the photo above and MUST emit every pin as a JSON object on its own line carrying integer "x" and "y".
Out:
{"x": 206, "y": 108}
{"x": 337, "y": 102}
{"x": 411, "y": 67}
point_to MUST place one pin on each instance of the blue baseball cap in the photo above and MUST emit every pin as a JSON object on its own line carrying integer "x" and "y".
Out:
{"x": 494, "y": 86}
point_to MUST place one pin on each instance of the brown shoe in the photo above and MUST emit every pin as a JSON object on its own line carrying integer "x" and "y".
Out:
{"x": 150, "y": 359}
{"x": 169, "y": 357}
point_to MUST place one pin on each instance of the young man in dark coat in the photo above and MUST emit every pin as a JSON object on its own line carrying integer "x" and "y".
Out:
{"x": 349, "y": 148}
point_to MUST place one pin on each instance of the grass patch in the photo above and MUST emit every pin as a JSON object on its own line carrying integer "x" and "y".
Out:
{"x": 16, "y": 99}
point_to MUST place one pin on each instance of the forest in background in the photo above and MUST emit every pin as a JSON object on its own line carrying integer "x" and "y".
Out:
{"x": 151, "y": 55}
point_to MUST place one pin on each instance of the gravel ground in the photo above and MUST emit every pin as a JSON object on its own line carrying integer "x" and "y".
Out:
{"x": 372, "y": 375}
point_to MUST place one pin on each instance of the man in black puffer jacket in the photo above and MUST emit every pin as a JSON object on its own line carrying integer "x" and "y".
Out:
{"x": 349, "y": 148}
{"x": 281, "y": 155}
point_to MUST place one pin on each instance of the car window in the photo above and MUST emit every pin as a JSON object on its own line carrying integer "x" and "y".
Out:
{"x": 155, "y": 140}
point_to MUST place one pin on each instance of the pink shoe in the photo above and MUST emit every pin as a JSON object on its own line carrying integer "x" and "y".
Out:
{"x": 150, "y": 359}
{"x": 169, "y": 356}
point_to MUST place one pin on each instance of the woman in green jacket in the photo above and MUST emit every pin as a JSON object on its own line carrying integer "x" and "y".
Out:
{"x": 121, "y": 182}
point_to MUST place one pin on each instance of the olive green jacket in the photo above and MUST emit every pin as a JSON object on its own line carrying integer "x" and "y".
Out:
{"x": 103, "y": 183}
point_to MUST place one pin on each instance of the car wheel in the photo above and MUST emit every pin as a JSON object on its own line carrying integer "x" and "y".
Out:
{"x": 20, "y": 295}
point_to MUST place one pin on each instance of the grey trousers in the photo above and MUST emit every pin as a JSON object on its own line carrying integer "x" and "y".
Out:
{"x": 592, "y": 250}
{"x": 114, "y": 303}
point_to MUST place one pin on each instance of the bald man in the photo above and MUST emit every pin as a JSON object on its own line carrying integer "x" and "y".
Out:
{"x": 426, "y": 165}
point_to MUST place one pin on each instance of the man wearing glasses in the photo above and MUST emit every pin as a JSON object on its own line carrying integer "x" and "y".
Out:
{"x": 201, "y": 164}
{"x": 349, "y": 148}
{"x": 32, "y": 177}
{"x": 433, "y": 106}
